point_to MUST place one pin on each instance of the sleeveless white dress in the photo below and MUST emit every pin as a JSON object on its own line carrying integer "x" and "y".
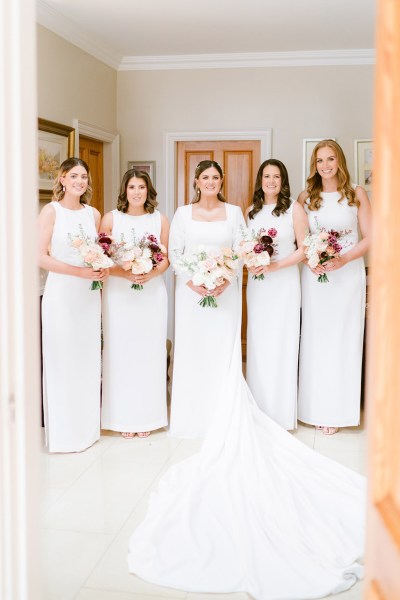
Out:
{"x": 134, "y": 331}
{"x": 255, "y": 510}
{"x": 273, "y": 326}
{"x": 71, "y": 330}
{"x": 332, "y": 328}
{"x": 203, "y": 336}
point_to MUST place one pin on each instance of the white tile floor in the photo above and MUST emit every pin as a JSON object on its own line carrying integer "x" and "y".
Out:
{"x": 93, "y": 500}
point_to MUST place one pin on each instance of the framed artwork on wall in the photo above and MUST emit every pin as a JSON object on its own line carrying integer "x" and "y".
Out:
{"x": 148, "y": 166}
{"x": 363, "y": 156}
{"x": 56, "y": 142}
{"x": 308, "y": 146}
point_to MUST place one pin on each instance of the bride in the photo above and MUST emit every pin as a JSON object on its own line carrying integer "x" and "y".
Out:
{"x": 255, "y": 510}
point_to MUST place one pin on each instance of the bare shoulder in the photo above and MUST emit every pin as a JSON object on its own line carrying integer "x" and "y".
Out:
{"x": 361, "y": 195}
{"x": 298, "y": 208}
{"x": 302, "y": 197}
{"x": 47, "y": 215}
{"x": 247, "y": 211}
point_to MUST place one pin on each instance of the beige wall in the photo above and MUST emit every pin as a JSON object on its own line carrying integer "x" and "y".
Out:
{"x": 297, "y": 103}
{"x": 74, "y": 85}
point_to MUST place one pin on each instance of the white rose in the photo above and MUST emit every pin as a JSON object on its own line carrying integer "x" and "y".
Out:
{"x": 313, "y": 261}
{"x": 263, "y": 259}
{"x": 198, "y": 278}
{"x": 146, "y": 253}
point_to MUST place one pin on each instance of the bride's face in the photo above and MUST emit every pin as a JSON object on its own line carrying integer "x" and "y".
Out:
{"x": 209, "y": 182}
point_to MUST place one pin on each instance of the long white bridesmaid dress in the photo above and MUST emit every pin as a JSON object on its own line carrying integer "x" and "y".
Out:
{"x": 332, "y": 328}
{"x": 255, "y": 510}
{"x": 71, "y": 330}
{"x": 203, "y": 336}
{"x": 134, "y": 332}
{"x": 273, "y": 326}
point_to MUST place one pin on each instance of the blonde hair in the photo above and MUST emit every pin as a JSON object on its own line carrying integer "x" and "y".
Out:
{"x": 65, "y": 167}
{"x": 314, "y": 181}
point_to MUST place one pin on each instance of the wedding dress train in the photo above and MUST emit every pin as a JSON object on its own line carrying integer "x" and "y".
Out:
{"x": 254, "y": 511}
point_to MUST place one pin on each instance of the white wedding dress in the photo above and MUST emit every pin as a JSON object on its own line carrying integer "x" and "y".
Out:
{"x": 273, "y": 325}
{"x": 254, "y": 511}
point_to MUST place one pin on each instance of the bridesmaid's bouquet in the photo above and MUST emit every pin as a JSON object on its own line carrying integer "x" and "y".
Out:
{"x": 322, "y": 246}
{"x": 256, "y": 249}
{"x": 139, "y": 256}
{"x": 95, "y": 253}
{"x": 209, "y": 269}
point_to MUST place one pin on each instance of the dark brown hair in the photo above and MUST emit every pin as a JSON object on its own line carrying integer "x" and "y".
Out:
{"x": 151, "y": 202}
{"x": 65, "y": 167}
{"x": 284, "y": 201}
{"x": 314, "y": 181}
{"x": 202, "y": 166}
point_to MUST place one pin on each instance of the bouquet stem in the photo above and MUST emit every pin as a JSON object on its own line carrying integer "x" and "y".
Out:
{"x": 208, "y": 301}
{"x": 136, "y": 286}
{"x": 259, "y": 277}
{"x": 323, "y": 278}
{"x": 96, "y": 285}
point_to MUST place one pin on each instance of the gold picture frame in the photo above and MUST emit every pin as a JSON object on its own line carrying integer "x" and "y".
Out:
{"x": 56, "y": 142}
{"x": 148, "y": 166}
{"x": 363, "y": 157}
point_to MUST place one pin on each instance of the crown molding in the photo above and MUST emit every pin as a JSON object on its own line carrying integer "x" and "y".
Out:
{"x": 69, "y": 30}
{"x": 305, "y": 58}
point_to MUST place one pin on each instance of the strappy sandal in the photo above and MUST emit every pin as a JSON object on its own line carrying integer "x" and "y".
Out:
{"x": 330, "y": 430}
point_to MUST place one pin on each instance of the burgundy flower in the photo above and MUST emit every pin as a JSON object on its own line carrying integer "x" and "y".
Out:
{"x": 269, "y": 249}
{"x": 103, "y": 238}
{"x": 158, "y": 257}
{"x": 152, "y": 238}
{"x": 154, "y": 247}
{"x": 272, "y": 232}
{"x": 258, "y": 248}
{"x": 266, "y": 239}
{"x": 324, "y": 255}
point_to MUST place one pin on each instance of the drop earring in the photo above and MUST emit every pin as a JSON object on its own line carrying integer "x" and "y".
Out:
{"x": 63, "y": 188}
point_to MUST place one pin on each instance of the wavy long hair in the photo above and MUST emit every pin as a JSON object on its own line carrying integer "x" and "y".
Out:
{"x": 202, "y": 166}
{"x": 283, "y": 202}
{"x": 151, "y": 201}
{"x": 314, "y": 181}
{"x": 65, "y": 167}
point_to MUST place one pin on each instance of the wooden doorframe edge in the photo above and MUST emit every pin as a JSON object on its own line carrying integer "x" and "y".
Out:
{"x": 170, "y": 140}
{"x": 111, "y": 171}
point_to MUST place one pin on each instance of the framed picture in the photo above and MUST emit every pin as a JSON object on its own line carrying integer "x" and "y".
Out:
{"x": 56, "y": 142}
{"x": 149, "y": 166}
{"x": 363, "y": 155}
{"x": 308, "y": 146}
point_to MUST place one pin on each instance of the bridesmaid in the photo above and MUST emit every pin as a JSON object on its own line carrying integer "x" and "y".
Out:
{"x": 203, "y": 336}
{"x": 71, "y": 315}
{"x": 135, "y": 321}
{"x": 333, "y": 313}
{"x": 273, "y": 304}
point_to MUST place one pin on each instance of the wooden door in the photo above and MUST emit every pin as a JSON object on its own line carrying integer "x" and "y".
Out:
{"x": 240, "y": 161}
{"x": 91, "y": 151}
{"x": 383, "y": 358}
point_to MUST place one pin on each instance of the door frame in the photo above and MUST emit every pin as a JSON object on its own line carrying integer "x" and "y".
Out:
{"x": 110, "y": 156}
{"x": 170, "y": 140}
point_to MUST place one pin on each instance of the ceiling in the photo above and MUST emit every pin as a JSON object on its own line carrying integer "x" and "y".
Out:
{"x": 119, "y": 32}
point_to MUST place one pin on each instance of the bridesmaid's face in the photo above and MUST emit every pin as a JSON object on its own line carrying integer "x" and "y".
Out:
{"x": 75, "y": 181}
{"x": 136, "y": 192}
{"x": 209, "y": 182}
{"x": 327, "y": 163}
{"x": 271, "y": 181}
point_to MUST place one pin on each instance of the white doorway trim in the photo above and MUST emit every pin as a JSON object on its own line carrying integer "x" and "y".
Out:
{"x": 111, "y": 157}
{"x": 170, "y": 140}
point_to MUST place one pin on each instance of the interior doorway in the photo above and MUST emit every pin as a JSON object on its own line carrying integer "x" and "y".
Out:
{"x": 91, "y": 151}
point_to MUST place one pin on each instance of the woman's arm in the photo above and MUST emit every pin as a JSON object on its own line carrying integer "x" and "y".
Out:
{"x": 46, "y": 222}
{"x": 364, "y": 221}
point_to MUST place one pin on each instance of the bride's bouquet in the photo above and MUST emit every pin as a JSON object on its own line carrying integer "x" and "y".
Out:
{"x": 322, "y": 246}
{"x": 256, "y": 249}
{"x": 95, "y": 253}
{"x": 139, "y": 256}
{"x": 209, "y": 269}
